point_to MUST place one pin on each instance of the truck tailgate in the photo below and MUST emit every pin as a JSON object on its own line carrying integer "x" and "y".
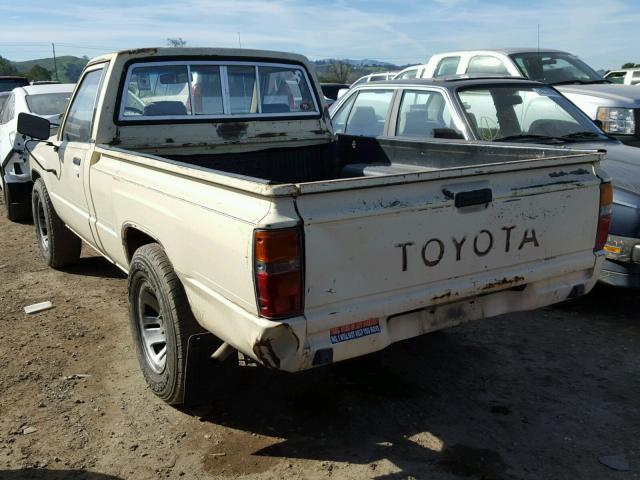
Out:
{"x": 406, "y": 246}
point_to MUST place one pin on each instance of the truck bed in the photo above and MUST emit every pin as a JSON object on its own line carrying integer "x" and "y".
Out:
{"x": 355, "y": 156}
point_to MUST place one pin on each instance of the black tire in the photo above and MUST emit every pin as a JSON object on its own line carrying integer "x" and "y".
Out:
{"x": 59, "y": 246}
{"x": 159, "y": 311}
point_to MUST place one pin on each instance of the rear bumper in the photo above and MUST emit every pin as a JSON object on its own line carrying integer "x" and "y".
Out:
{"x": 625, "y": 275}
{"x": 304, "y": 342}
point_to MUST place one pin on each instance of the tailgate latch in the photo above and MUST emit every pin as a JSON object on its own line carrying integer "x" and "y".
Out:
{"x": 469, "y": 198}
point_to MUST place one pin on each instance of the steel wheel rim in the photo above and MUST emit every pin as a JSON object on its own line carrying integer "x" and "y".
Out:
{"x": 152, "y": 328}
{"x": 41, "y": 222}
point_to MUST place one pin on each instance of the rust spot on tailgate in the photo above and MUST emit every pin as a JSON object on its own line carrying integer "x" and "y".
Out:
{"x": 232, "y": 131}
{"x": 505, "y": 282}
{"x": 444, "y": 296}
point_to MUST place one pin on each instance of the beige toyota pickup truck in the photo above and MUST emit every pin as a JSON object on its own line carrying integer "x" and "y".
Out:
{"x": 214, "y": 179}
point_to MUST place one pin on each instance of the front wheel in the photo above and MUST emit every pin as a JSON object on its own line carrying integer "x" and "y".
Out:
{"x": 161, "y": 322}
{"x": 59, "y": 246}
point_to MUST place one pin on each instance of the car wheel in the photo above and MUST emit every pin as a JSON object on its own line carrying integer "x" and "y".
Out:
{"x": 161, "y": 322}
{"x": 59, "y": 246}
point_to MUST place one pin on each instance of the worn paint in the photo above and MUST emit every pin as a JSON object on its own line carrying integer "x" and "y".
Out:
{"x": 232, "y": 131}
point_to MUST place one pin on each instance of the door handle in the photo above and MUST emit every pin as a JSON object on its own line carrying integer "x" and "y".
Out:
{"x": 77, "y": 160}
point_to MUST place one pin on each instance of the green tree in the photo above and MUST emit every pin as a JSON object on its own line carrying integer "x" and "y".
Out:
{"x": 38, "y": 72}
{"x": 338, "y": 72}
{"x": 631, "y": 65}
{"x": 7, "y": 68}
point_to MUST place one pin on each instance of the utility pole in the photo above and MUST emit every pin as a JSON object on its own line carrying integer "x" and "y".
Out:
{"x": 55, "y": 62}
{"x": 239, "y": 41}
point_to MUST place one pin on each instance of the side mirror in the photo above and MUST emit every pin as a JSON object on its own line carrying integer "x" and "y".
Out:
{"x": 34, "y": 126}
{"x": 449, "y": 133}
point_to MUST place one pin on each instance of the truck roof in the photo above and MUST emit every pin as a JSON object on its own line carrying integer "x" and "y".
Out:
{"x": 226, "y": 53}
{"x": 506, "y": 51}
{"x": 457, "y": 81}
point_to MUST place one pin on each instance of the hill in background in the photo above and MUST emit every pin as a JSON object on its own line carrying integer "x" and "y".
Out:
{"x": 69, "y": 67}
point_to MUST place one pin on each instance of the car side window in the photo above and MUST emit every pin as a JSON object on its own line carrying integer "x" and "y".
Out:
{"x": 487, "y": 64}
{"x": 369, "y": 113}
{"x": 408, "y": 74}
{"x": 8, "y": 109}
{"x": 635, "y": 78}
{"x": 421, "y": 112}
{"x": 77, "y": 125}
{"x": 339, "y": 120}
{"x": 616, "y": 77}
{"x": 447, "y": 66}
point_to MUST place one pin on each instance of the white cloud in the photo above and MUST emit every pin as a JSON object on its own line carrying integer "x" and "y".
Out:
{"x": 604, "y": 34}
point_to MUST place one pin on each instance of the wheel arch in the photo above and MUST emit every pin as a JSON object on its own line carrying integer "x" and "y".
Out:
{"x": 133, "y": 237}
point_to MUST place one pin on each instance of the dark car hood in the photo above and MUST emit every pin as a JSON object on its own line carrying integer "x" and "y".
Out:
{"x": 622, "y": 163}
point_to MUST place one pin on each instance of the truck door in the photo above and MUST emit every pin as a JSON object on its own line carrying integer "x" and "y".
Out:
{"x": 74, "y": 151}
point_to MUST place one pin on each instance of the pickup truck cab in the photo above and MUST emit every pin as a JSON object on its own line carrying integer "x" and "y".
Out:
{"x": 210, "y": 176}
{"x": 616, "y": 107}
{"x": 518, "y": 110}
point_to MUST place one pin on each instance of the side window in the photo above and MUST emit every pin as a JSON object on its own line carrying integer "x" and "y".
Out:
{"x": 486, "y": 64}
{"x": 421, "y": 112}
{"x": 616, "y": 77}
{"x": 8, "y": 109}
{"x": 447, "y": 66}
{"x": 369, "y": 113}
{"x": 635, "y": 78}
{"x": 339, "y": 120}
{"x": 77, "y": 125}
{"x": 408, "y": 74}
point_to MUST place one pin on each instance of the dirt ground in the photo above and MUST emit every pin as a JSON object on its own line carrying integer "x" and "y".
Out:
{"x": 547, "y": 394}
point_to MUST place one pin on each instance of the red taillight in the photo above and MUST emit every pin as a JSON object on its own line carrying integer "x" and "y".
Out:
{"x": 604, "y": 217}
{"x": 278, "y": 272}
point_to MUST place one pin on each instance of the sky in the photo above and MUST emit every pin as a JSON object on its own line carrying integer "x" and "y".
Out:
{"x": 605, "y": 34}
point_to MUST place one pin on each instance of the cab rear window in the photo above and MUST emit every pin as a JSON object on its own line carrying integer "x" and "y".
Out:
{"x": 189, "y": 90}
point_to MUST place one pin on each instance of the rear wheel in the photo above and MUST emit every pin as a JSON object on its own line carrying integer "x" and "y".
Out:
{"x": 161, "y": 322}
{"x": 59, "y": 246}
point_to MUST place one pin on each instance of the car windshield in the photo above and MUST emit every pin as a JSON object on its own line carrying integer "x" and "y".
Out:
{"x": 525, "y": 113}
{"x": 48, "y": 103}
{"x": 555, "y": 67}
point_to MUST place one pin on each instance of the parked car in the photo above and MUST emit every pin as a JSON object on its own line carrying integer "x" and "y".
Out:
{"x": 510, "y": 110}
{"x": 372, "y": 77}
{"x": 47, "y": 101}
{"x": 625, "y": 76}
{"x": 236, "y": 222}
{"x": 3, "y": 99}
{"x": 8, "y": 82}
{"x": 616, "y": 107}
